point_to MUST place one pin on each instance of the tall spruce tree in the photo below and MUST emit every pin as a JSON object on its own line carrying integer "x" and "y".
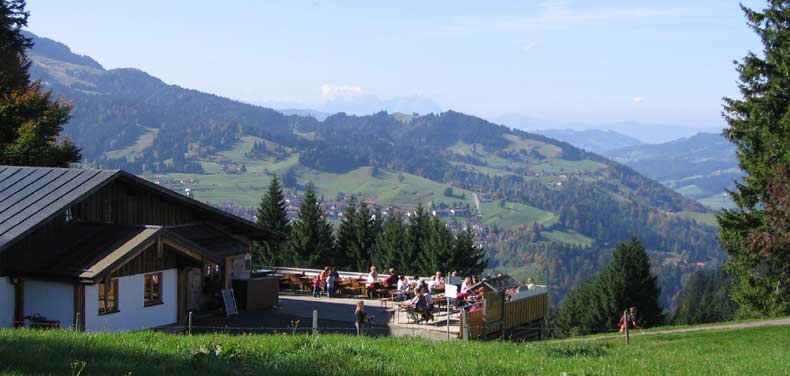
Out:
{"x": 418, "y": 232}
{"x": 365, "y": 233}
{"x": 759, "y": 126}
{"x": 467, "y": 257}
{"x": 311, "y": 241}
{"x": 705, "y": 298}
{"x": 437, "y": 252}
{"x": 625, "y": 282}
{"x": 346, "y": 237}
{"x": 272, "y": 214}
{"x": 391, "y": 244}
{"x": 30, "y": 119}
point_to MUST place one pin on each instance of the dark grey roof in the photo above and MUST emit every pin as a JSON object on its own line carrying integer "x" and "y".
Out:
{"x": 31, "y": 195}
{"x": 498, "y": 284}
{"x": 210, "y": 239}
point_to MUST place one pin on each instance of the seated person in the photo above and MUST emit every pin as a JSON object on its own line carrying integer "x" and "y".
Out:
{"x": 403, "y": 288}
{"x": 420, "y": 305}
{"x": 373, "y": 281}
{"x": 437, "y": 281}
{"x": 392, "y": 280}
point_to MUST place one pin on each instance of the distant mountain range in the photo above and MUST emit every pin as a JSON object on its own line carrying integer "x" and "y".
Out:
{"x": 594, "y": 140}
{"x": 700, "y": 167}
{"x": 548, "y": 197}
{"x": 646, "y": 133}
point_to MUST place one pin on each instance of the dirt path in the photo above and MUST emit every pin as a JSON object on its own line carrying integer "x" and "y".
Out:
{"x": 703, "y": 328}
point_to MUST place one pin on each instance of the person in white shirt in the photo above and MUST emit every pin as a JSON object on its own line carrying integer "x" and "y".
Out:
{"x": 373, "y": 281}
{"x": 465, "y": 285}
{"x": 530, "y": 284}
{"x": 403, "y": 287}
{"x": 437, "y": 281}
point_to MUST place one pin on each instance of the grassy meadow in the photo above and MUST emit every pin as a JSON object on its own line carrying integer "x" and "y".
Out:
{"x": 759, "y": 351}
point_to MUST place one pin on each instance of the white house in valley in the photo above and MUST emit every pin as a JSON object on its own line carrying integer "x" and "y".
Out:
{"x": 107, "y": 251}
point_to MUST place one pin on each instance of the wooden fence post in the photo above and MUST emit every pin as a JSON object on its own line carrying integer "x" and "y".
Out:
{"x": 189, "y": 324}
{"x": 315, "y": 322}
{"x": 627, "y": 324}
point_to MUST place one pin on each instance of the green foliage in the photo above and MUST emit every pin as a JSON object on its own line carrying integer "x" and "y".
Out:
{"x": 356, "y": 237}
{"x": 627, "y": 281}
{"x": 13, "y": 63}
{"x": 467, "y": 258}
{"x": 273, "y": 215}
{"x": 760, "y": 129}
{"x": 30, "y": 120}
{"x": 705, "y": 298}
{"x": 758, "y": 351}
{"x": 391, "y": 244}
{"x": 312, "y": 240}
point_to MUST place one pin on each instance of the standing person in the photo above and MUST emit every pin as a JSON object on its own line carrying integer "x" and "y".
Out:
{"x": 330, "y": 284}
{"x": 317, "y": 285}
{"x": 629, "y": 320}
{"x": 360, "y": 317}
{"x": 455, "y": 280}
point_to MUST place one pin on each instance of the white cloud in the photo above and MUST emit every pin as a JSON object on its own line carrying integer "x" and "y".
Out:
{"x": 637, "y": 100}
{"x": 528, "y": 46}
{"x": 332, "y": 91}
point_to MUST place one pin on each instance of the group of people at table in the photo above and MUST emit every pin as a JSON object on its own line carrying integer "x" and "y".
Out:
{"x": 415, "y": 295}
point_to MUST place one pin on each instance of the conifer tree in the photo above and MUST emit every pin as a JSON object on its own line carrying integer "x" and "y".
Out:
{"x": 705, "y": 298}
{"x": 272, "y": 214}
{"x": 390, "y": 244}
{"x": 311, "y": 242}
{"x": 760, "y": 129}
{"x": 467, "y": 258}
{"x": 625, "y": 282}
{"x": 436, "y": 254}
{"x": 365, "y": 231}
{"x": 346, "y": 237}
{"x": 418, "y": 232}
{"x": 30, "y": 120}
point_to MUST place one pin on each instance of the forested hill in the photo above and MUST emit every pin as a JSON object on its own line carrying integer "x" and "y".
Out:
{"x": 700, "y": 167}
{"x": 538, "y": 194}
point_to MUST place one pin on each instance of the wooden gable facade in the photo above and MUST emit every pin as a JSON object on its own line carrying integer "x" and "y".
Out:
{"x": 89, "y": 227}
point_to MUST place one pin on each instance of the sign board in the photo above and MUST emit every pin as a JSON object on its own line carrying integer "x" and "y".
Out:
{"x": 450, "y": 291}
{"x": 230, "y": 302}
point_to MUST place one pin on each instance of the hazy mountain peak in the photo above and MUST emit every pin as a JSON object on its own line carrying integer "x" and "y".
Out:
{"x": 55, "y": 50}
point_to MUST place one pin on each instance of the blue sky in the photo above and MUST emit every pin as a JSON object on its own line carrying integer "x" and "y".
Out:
{"x": 662, "y": 62}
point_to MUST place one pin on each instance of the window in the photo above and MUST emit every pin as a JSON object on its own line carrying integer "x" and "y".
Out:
{"x": 108, "y": 297}
{"x": 69, "y": 217}
{"x": 153, "y": 289}
{"x": 247, "y": 263}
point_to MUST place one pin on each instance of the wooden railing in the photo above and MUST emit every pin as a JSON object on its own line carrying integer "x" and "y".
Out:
{"x": 517, "y": 313}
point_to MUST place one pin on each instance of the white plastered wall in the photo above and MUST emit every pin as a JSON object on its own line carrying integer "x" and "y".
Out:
{"x": 133, "y": 314}
{"x": 53, "y": 300}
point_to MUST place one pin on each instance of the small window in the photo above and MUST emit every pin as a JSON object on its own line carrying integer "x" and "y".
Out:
{"x": 69, "y": 217}
{"x": 153, "y": 289}
{"x": 247, "y": 263}
{"x": 108, "y": 297}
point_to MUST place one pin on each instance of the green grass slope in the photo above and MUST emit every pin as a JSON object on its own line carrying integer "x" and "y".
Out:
{"x": 760, "y": 351}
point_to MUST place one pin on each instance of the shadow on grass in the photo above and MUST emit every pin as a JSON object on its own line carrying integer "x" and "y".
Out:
{"x": 27, "y": 352}
{"x": 55, "y": 357}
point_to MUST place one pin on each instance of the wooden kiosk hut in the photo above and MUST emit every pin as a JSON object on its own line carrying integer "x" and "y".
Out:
{"x": 508, "y": 309}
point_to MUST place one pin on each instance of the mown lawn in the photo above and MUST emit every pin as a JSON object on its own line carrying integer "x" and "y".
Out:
{"x": 761, "y": 351}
